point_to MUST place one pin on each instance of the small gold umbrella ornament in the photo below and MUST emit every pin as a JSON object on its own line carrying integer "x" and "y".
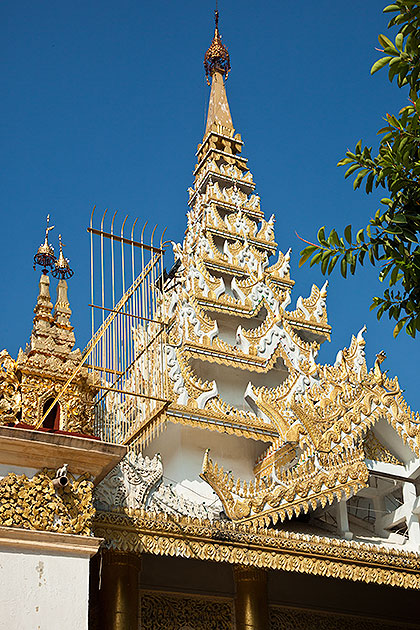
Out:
{"x": 45, "y": 255}
{"x": 62, "y": 268}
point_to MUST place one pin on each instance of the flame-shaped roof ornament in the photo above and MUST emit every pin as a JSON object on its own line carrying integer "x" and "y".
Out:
{"x": 217, "y": 56}
{"x": 45, "y": 255}
{"x": 62, "y": 268}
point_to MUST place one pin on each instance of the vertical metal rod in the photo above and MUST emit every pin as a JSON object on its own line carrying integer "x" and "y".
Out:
{"x": 92, "y": 301}
{"x": 112, "y": 348}
{"x": 103, "y": 274}
{"x": 102, "y": 266}
{"x": 143, "y": 300}
{"x": 122, "y": 255}
{"x": 112, "y": 259}
{"x": 153, "y": 277}
{"x": 132, "y": 251}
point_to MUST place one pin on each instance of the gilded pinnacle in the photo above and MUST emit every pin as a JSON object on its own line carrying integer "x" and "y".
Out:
{"x": 62, "y": 267}
{"x": 216, "y": 58}
{"x": 45, "y": 255}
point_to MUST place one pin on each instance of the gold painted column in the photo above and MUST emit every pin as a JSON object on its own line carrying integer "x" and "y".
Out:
{"x": 251, "y": 602}
{"x": 119, "y": 591}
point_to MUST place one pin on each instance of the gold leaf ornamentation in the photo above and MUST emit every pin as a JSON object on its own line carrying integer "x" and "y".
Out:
{"x": 34, "y": 503}
{"x": 140, "y": 531}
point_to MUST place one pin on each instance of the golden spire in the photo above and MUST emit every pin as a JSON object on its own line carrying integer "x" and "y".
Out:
{"x": 62, "y": 267}
{"x": 45, "y": 253}
{"x": 217, "y": 66}
{"x": 217, "y": 56}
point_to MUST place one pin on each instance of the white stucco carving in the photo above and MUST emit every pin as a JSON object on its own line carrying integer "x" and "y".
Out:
{"x": 262, "y": 291}
{"x": 137, "y": 482}
{"x": 174, "y": 373}
{"x": 187, "y": 315}
{"x": 129, "y": 483}
{"x": 206, "y": 396}
{"x": 284, "y": 269}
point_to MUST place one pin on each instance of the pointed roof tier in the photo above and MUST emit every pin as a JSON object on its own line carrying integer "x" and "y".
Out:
{"x": 228, "y": 302}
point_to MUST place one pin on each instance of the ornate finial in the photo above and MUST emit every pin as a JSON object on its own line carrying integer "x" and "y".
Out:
{"x": 217, "y": 56}
{"x": 62, "y": 267}
{"x": 45, "y": 255}
{"x": 378, "y": 375}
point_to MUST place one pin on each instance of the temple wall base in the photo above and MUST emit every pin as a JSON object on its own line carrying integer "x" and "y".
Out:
{"x": 44, "y": 580}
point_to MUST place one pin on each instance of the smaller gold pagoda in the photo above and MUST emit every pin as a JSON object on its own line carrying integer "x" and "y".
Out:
{"x": 30, "y": 385}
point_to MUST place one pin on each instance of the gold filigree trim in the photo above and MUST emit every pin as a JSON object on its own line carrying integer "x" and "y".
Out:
{"x": 300, "y": 489}
{"x": 376, "y": 451}
{"x": 141, "y": 532}
{"x": 162, "y": 611}
{"x": 214, "y": 419}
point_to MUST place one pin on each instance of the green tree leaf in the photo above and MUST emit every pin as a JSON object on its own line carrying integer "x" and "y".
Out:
{"x": 380, "y": 64}
{"x": 391, "y": 238}
{"x": 347, "y": 234}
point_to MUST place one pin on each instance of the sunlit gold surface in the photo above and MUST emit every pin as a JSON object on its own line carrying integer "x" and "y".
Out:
{"x": 251, "y": 600}
{"x": 139, "y": 531}
{"x": 34, "y": 503}
{"x": 119, "y": 591}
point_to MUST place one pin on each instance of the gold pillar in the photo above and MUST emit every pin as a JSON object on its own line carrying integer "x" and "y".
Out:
{"x": 119, "y": 591}
{"x": 251, "y": 602}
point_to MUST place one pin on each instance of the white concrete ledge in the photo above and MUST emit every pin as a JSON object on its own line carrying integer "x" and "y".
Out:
{"x": 16, "y": 539}
{"x": 38, "y": 449}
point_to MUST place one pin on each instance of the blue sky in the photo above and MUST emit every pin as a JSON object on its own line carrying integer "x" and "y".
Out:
{"x": 104, "y": 103}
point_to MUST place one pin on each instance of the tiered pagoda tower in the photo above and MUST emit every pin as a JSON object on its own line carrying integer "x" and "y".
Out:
{"x": 230, "y": 329}
{"x": 244, "y": 382}
{"x": 269, "y": 462}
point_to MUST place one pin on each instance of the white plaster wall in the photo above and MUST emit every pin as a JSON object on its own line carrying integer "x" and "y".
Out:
{"x": 182, "y": 449}
{"x": 5, "y": 469}
{"x": 232, "y": 383}
{"x": 40, "y": 591}
{"x": 390, "y": 438}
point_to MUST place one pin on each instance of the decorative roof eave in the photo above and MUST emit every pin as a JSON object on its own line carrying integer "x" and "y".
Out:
{"x": 229, "y": 156}
{"x": 225, "y": 268}
{"x": 235, "y": 358}
{"x": 214, "y": 304}
{"x": 333, "y": 416}
{"x": 301, "y": 324}
{"x": 311, "y": 484}
{"x": 219, "y": 131}
{"x": 221, "y": 352}
{"x": 199, "y": 185}
{"x": 238, "y": 237}
{"x": 214, "y": 420}
{"x": 162, "y": 535}
{"x": 255, "y": 214}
